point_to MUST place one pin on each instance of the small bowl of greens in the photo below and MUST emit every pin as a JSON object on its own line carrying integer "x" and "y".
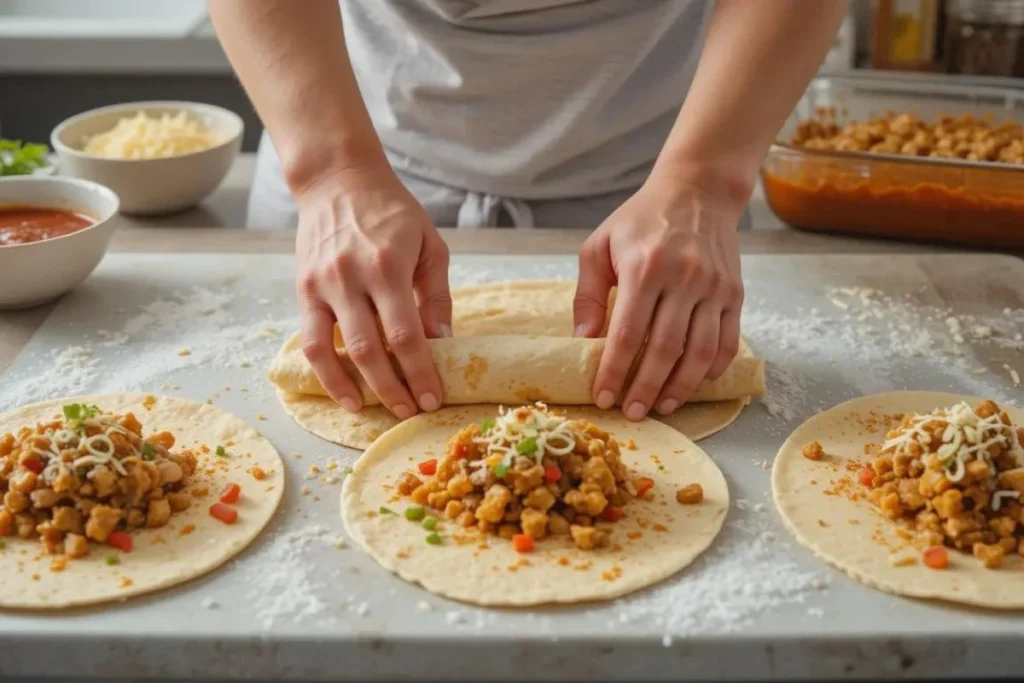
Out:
{"x": 19, "y": 158}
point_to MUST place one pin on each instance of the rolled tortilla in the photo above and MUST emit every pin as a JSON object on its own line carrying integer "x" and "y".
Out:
{"x": 511, "y": 369}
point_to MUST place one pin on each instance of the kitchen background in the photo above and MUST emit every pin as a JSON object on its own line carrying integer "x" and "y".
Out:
{"x": 62, "y": 57}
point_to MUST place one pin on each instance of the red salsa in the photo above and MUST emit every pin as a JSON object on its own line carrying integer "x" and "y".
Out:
{"x": 25, "y": 224}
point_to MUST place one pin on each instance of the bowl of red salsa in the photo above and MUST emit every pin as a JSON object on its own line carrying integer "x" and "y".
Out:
{"x": 53, "y": 233}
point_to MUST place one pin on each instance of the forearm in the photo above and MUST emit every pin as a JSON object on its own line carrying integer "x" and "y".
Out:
{"x": 292, "y": 61}
{"x": 757, "y": 60}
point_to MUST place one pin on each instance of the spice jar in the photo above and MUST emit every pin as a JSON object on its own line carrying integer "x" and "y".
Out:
{"x": 985, "y": 37}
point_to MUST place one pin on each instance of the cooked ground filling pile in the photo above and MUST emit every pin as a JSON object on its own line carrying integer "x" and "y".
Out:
{"x": 964, "y": 137}
{"x": 527, "y": 474}
{"x": 957, "y": 476}
{"x": 89, "y": 476}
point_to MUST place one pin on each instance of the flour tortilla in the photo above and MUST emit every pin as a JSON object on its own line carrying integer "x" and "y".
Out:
{"x": 542, "y": 308}
{"x": 161, "y": 557}
{"x": 510, "y": 369}
{"x": 845, "y": 533}
{"x": 462, "y": 570}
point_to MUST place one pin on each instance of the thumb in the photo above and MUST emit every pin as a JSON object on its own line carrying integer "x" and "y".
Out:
{"x": 596, "y": 279}
{"x": 430, "y": 283}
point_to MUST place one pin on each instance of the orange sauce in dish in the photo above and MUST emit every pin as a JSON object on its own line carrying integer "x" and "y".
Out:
{"x": 26, "y": 224}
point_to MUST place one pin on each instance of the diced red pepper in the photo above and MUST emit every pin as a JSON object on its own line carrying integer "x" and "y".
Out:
{"x": 224, "y": 513}
{"x": 935, "y": 558}
{"x": 643, "y": 485}
{"x": 612, "y": 514}
{"x": 866, "y": 476}
{"x": 522, "y": 543}
{"x": 461, "y": 451}
{"x": 428, "y": 467}
{"x": 122, "y": 540}
{"x": 33, "y": 465}
{"x": 552, "y": 474}
{"x": 230, "y": 494}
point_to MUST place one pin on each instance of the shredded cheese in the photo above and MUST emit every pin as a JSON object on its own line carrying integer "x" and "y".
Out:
{"x": 526, "y": 433}
{"x": 145, "y": 137}
{"x": 967, "y": 436}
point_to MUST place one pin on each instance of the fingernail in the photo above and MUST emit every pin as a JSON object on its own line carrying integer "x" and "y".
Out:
{"x": 580, "y": 331}
{"x": 446, "y": 331}
{"x": 349, "y": 404}
{"x": 605, "y": 400}
{"x": 402, "y": 411}
{"x": 429, "y": 402}
{"x": 636, "y": 411}
{"x": 668, "y": 406}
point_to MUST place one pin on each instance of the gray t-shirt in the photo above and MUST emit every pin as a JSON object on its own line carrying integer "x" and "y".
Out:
{"x": 533, "y": 99}
{"x": 486, "y": 106}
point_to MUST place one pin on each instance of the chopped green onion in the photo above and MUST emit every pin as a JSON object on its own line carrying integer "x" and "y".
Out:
{"x": 346, "y": 470}
{"x": 76, "y": 412}
{"x": 434, "y": 539}
{"x": 112, "y": 559}
{"x": 148, "y": 452}
{"x": 430, "y": 523}
{"x": 3, "y": 544}
{"x": 414, "y": 513}
{"x": 500, "y": 470}
{"x": 221, "y": 453}
{"x": 527, "y": 446}
{"x": 386, "y": 511}
{"x": 487, "y": 425}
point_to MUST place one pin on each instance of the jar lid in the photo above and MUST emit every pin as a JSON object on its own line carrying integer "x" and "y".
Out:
{"x": 1004, "y": 12}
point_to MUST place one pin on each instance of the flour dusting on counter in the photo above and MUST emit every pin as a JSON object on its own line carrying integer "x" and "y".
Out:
{"x": 748, "y": 571}
{"x": 280, "y": 576}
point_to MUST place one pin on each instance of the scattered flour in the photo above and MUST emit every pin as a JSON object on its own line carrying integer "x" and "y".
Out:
{"x": 748, "y": 571}
{"x": 281, "y": 580}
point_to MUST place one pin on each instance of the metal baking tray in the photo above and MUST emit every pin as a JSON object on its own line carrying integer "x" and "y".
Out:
{"x": 949, "y": 200}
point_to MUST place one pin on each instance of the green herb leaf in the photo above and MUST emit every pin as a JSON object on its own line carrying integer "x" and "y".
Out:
{"x": 430, "y": 523}
{"x": 79, "y": 412}
{"x": 500, "y": 470}
{"x": 17, "y": 158}
{"x": 386, "y": 511}
{"x": 486, "y": 425}
{"x": 434, "y": 539}
{"x": 113, "y": 559}
{"x": 415, "y": 513}
{"x": 527, "y": 446}
{"x": 148, "y": 452}
{"x": 221, "y": 453}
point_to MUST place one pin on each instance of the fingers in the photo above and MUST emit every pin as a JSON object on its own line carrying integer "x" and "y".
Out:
{"x": 318, "y": 347}
{"x": 366, "y": 349}
{"x": 631, "y": 319}
{"x": 660, "y": 355}
{"x": 400, "y": 322}
{"x": 430, "y": 283}
{"x": 699, "y": 353}
{"x": 596, "y": 279}
{"x": 728, "y": 343}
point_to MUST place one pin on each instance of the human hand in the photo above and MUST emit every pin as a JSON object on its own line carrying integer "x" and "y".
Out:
{"x": 370, "y": 259}
{"x": 673, "y": 251}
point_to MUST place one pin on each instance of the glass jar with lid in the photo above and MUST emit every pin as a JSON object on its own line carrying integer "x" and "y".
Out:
{"x": 985, "y": 37}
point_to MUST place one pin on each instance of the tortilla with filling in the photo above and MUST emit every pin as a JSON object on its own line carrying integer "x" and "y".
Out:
{"x": 656, "y": 539}
{"x": 813, "y": 499}
{"x": 559, "y": 370}
{"x": 192, "y": 544}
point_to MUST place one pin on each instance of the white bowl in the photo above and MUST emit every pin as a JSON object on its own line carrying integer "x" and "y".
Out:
{"x": 37, "y": 272}
{"x": 151, "y": 186}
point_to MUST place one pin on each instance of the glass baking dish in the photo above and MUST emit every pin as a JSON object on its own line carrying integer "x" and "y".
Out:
{"x": 970, "y": 202}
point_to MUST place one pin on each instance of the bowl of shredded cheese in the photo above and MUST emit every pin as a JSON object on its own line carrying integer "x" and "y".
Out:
{"x": 159, "y": 157}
